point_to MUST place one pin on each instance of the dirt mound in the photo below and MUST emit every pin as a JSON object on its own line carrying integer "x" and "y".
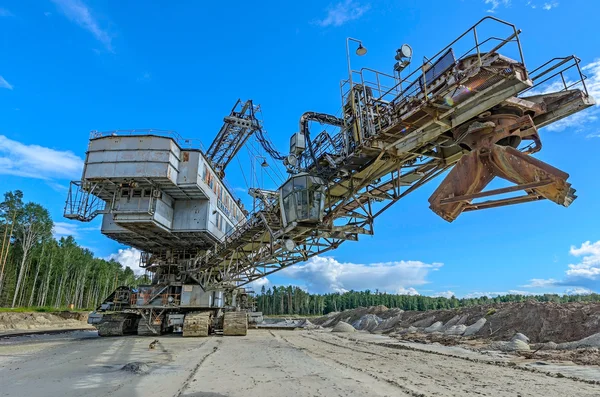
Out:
{"x": 540, "y": 321}
{"x": 343, "y": 327}
{"x": 368, "y": 322}
{"x": 41, "y": 321}
{"x": 308, "y": 325}
{"x": 349, "y": 316}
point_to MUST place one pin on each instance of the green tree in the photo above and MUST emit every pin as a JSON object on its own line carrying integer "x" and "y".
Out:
{"x": 33, "y": 225}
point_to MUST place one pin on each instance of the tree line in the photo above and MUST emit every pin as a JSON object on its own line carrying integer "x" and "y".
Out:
{"x": 293, "y": 300}
{"x": 37, "y": 269}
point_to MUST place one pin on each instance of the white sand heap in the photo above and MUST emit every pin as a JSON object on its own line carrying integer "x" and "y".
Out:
{"x": 368, "y": 322}
{"x": 435, "y": 327}
{"x": 474, "y": 328}
{"x": 521, "y": 337}
{"x": 343, "y": 327}
{"x": 456, "y": 330}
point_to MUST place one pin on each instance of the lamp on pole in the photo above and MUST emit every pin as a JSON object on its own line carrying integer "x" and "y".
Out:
{"x": 360, "y": 51}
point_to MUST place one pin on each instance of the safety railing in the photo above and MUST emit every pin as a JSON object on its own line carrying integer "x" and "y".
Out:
{"x": 83, "y": 201}
{"x": 410, "y": 81}
{"x": 184, "y": 143}
{"x": 558, "y": 74}
{"x": 375, "y": 94}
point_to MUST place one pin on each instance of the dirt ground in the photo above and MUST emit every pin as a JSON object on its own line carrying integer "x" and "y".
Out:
{"x": 272, "y": 363}
{"x": 16, "y": 322}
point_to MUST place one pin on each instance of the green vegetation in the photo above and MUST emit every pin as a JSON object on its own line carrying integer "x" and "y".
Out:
{"x": 295, "y": 301}
{"x": 40, "y": 273}
{"x": 39, "y": 309}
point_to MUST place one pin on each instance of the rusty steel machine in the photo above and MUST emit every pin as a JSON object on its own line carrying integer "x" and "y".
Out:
{"x": 473, "y": 109}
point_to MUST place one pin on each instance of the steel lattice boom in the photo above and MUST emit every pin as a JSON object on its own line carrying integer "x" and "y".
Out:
{"x": 477, "y": 114}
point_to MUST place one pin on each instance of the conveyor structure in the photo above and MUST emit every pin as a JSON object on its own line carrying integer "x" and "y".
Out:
{"x": 475, "y": 115}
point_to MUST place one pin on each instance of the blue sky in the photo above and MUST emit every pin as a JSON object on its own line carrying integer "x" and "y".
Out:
{"x": 71, "y": 66}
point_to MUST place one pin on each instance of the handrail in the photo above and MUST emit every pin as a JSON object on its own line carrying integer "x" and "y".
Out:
{"x": 182, "y": 142}
{"x": 562, "y": 61}
{"x": 513, "y": 37}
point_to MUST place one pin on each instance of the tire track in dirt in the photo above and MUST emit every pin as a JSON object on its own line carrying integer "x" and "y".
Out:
{"x": 408, "y": 391}
{"x": 429, "y": 374}
{"x": 187, "y": 381}
{"x": 503, "y": 364}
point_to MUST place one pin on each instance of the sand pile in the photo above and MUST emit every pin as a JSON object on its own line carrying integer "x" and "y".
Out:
{"x": 368, "y": 322}
{"x": 41, "y": 321}
{"x": 343, "y": 327}
{"x": 308, "y": 325}
{"x": 541, "y": 322}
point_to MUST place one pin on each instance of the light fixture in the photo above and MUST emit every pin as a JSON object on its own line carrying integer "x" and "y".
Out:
{"x": 360, "y": 51}
{"x": 289, "y": 244}
{"x": 264, "y": 164}
{"x": 404, "y": 52}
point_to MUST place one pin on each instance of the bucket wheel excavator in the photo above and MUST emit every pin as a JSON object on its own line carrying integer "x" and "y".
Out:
{"x": 476, "y": 115}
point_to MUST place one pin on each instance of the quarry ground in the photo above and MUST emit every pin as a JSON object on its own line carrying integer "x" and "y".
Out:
{"x": 273, "y": 363}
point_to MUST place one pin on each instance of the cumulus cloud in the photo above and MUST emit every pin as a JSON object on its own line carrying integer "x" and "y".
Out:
{"x": 128, "y": 257}
{"x": 79, "y": 13}
{"x": 343, "y": 12}
{"x": 495, "y": 294}
{"x": 256, "y": 285}
{"x": 578, "y": 291}
{"x": 5, "y": 84}
{"x": 34, "y": 161}
{"x": 75, "y": 229}
{"x": 444, "y": 294}
{"x": 585, "y": 274}
{"x": 326, "y": 274}
{"x": 64, "y": 229}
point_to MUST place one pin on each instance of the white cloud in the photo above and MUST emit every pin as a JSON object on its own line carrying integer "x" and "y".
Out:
{"x": 59, "y": 187}
{"x": 34, "y": 161}
{"x": 494, "y": 4}
{"x": 444, "y": 294}
{"x": 256, "y": 285}
{"x": 342, "y": 12}
{"x": 575, "y": 121}
{"x": 578, "y": 291}
{"x": 128, "y": 257}
{"x": 407, "y": 291}
{"x": 5, "y": 13}
{"x": 585, "y": 274}
{"x": 540, "y": 283}
{"x": 76, "y": 11}
{"x": 495, "y": 294}
{"x": 64, "y": 229}
{"x": 5, "y": 84}
{"x": 326, "y": 274}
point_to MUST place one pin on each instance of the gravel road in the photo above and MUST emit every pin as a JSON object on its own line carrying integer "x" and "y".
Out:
{"x": 264, "y": 363}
